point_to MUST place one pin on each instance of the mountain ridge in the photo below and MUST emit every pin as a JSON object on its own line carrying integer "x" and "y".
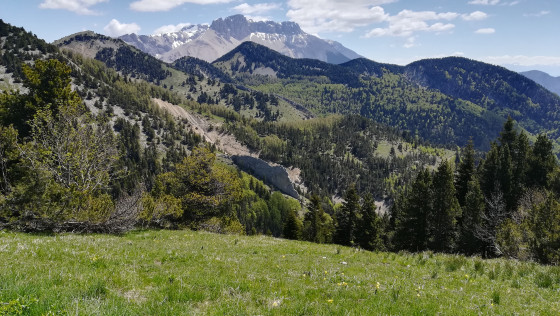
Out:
{"x": 550, "y": 82}
{"x": 224, "y": 34}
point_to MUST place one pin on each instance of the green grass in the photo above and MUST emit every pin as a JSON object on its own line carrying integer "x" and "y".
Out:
{"x": 189, "y": 273}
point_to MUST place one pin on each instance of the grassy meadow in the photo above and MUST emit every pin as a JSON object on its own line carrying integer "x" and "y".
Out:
{"x": 190, "y": 273}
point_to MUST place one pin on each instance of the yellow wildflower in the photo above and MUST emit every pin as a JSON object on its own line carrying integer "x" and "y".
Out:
{"x": 329, "y": 301}
{"x": 377, "y": 285}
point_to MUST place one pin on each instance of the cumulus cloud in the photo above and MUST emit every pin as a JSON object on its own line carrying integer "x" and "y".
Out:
{"x": 485, "y": 31}
{"x": 170, "y": 28}
{"x": 76, "y": 6}
{"x": 523, "y": 60}
{"x": 336, "y": 16}
{"x": 116, "y": 28}
{"x": 166, "y": 5}
{"x": 408, "y": 22}
{"x": 258, "y": 8}
{"x": 474, "y": 16}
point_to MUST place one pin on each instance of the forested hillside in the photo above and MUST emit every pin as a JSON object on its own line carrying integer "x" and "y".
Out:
{"x": 446, "y": 101}
{"x": 147, "y": 152}
{"x": 86, "y": 146}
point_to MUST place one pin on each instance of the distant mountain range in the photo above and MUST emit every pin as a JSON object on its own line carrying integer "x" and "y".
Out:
{"x": 544, "y": 79}
{"x": 223, "y": 35}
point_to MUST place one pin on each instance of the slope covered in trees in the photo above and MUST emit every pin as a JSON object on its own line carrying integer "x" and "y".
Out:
{"x": 445, "y": 101}
{"x": 83, "y": 147}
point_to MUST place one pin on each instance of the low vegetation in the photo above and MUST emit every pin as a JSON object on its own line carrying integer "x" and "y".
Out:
{"x": 189, "y": 273}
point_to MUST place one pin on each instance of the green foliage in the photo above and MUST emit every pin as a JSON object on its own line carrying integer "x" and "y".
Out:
{"x": 160, "y": 210}
{"x": 369, "y": 228}
{"x": 545, "y": 227}
{"x": 412, "y": 215}
{"x": 445, "y": 210}
{"x": 465, "y": 172}
{"x": 346, "y": 218}
{"x": 317, "y": 225}
{"x": 69, "y": 156}
{"x": 205, "y": 188}
{"x": 19, "y": 306}
{"x": 348, "y": 147}
{"x": 293, "y": 226}
{"x": 181, "y": 272}
{"x": 471, "y": 220}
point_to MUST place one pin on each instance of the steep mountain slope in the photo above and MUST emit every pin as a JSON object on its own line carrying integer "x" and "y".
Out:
{"x": 493, "y": 87}
{"x": 378, "y": 163}
{"x": 544, "y": 79}
{"x": 211, "y": 42}
{"x": 446, "y": 101}
{"x": 190, "y": 77}
{"x": 163, "y": 43}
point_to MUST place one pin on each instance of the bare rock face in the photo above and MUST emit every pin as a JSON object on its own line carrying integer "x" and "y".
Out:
{"x": 276, "y": 176}
{"x": 223, "y": 35}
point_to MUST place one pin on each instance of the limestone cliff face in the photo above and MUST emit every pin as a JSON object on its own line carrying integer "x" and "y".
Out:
{"x": 223, "y": 35}
{"x": 276, "y": 176}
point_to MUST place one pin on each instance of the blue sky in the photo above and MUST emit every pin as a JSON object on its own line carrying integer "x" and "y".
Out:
{"x": 519, "y": 34}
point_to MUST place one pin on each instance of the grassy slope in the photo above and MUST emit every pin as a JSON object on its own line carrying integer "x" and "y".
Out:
{"x": 185, "y": 273}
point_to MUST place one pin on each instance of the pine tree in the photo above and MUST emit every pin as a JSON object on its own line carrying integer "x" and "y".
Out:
{"x": 489, "y": 182}
{"x": 292, "y": 226}
{"x": 545, "y": 228}
{"x": 520, "y": 165}
{"x": 446, "y": 210}
{"x": 312, "y": 224}
{"x": 465, "y": 172}
{"x": 346, "y": 218}
{"x": 369, "y": 228}
{"x": 508, "y": 135}
{"x": 505, "y": 178}
{"x": 412, "y": 225}
{"x": 472, "y": 212}
{"x": 541, "y": 162}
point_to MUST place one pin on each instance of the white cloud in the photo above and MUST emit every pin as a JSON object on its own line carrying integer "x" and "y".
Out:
{"x": 116, "y": 28}
{"x": 485, "y": 31}
{"x": 170, "y": 28}
{"x": 474, "y": 16}
{"x": 76, "y": 6}
{"x": 494, "y": 2}
{"x": 410, "y": 42}
{"x": 336, "y": 16}
{"x": 258, "y": 8}
{"x": 539, "y": 14}
{"x": 166, "y": 5}
{"x": 257, "y": 18}
{"x": 522, "y": 60}
{"x": 485, "y": 2}
{"x": 408, "y": 22}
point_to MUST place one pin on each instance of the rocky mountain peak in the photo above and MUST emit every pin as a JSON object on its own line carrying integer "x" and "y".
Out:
{"x": 224, "y": 34}
{"x": 239, "y": 27}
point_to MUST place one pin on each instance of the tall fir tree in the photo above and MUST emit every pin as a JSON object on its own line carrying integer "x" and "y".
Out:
{"x": 465, "y": 172}
{"x": 446, "y": 210}
{"x": 313, "y": 221}
{"x": 508, "y": 135}
{"x": 346, "y": 218}
{"x": 471, "y": 220}
{"x": 541, "y": 162}
{"x": 412, "y": 226}
{"x": 369, "y": 228}
{"x": 292, "y": 226}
